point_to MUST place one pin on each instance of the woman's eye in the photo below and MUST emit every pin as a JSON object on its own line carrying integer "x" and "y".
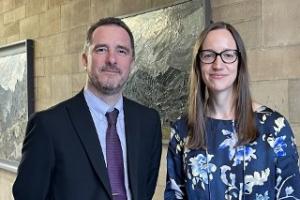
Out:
{"x": 208, "y": 55}
{"x": 228, "y": 55}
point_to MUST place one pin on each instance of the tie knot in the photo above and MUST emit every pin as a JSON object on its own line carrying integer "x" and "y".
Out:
{"x": 112, "y": 116}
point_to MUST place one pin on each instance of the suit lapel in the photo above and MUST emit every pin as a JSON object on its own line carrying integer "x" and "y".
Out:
{"x": 85, "y": 129}
{"x": 132, "y": 128}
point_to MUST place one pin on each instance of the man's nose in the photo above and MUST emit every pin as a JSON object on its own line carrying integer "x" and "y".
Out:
{"x": 111, "y": 57}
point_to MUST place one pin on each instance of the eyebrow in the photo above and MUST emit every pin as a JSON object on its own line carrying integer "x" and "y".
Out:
{"x": 99, "y": 45}
{"x": 123, "y": 47}
{"x": 118, "y": 47}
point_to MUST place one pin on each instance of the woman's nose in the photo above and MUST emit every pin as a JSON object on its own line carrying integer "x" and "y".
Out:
{"x": 218, "y": 63}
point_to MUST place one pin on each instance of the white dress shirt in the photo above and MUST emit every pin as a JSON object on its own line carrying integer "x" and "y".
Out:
{"x": 98, "y": 108}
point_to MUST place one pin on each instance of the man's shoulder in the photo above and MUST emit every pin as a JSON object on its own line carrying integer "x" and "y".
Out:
{"x": 132, "y": 104}
{"x": 60, "y": 107}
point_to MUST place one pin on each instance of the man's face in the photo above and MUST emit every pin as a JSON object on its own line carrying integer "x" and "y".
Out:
{"x": 108, "y": 60}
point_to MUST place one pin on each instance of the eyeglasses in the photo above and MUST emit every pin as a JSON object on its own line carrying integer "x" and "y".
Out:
{"x": 210, "y": 56}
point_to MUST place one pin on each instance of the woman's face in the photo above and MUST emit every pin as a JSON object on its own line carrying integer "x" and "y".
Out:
{"x": 218, "y": 76}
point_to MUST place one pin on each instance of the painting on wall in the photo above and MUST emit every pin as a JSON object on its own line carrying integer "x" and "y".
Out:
{"x": 164, "y": 39}
{"x": 16, "y": 99}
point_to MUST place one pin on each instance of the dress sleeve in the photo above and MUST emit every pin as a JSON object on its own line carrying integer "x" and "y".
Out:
{"x": 175, "y": 185}
{"x": 287, "y": 160}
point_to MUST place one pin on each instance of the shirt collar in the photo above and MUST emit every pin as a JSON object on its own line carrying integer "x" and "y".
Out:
{"x": 99, "y": 106}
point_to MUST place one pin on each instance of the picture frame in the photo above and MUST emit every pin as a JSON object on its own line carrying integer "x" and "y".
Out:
{"x": 16, "y": 99}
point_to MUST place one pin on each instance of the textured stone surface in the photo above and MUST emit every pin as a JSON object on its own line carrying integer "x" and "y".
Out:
{"x": 74, "y": 14}
{"x": 238, "y": 12}
{"x": 14, "y": 15}
{"x": 29, "y": 27}
{"x": 250, "y": 31}
{"x": 101, "y": 8}
{"x": 294, "y": 97}
{"x": 39, "y": 68}
{"x": 164, "y": 41}
{"x": 60, "y": 93}
{"x": 11, "y": 29}
{"x": 58, "y": 65}
{"x": 50, "y": 22}
{"x": 218, "y": 3}
{"x": 51, "y": 46}
{"x": 55, "y": 3}
{"x": 130, "y": 6}
{"x": 268, "y": 64}
{"x": 7, "y": 5}
{"x": 8, "y": 17}
{"x": 273, "y": 94}
{"x": 6, "y": 182}
{"x": 34, "y": 7}
{"x": 161, "y": 182}
{"x": 78, "y": 81}
{"x": 274, "y": 63}
{"x": 296, "y": 130}
{"x": 43, "y": 91}
{"x": 75, "y": 39}
{"x": 19, "y": 3}
{"x": 280, "y": 22}
{"x": 13, "y": 38}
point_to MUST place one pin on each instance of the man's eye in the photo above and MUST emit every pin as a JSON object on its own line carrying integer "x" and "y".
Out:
{"x": 101, "y": 49}
{"x": 122, "y": 51}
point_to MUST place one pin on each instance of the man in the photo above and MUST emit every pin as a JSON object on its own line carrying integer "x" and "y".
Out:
{"x": 68, "y": 153}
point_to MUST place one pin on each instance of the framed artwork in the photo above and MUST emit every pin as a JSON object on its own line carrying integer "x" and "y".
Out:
{"x": 164, "y": 40}
{"x": 16, "y": 99}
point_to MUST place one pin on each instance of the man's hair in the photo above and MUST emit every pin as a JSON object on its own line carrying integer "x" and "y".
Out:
{"x": 108, "y": 21}
{"x": 199, "y": 99}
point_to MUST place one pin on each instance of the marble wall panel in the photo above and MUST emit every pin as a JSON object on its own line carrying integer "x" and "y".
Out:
{"x": 163, "y": 42}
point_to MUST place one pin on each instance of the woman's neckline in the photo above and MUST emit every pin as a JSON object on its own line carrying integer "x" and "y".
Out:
{"x": 258, "y": 108}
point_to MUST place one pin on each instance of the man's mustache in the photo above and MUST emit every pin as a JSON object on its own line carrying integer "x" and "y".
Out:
{"x": 110, "y": 68}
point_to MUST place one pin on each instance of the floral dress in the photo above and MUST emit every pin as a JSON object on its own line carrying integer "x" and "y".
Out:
{"x": 265, "y": 169}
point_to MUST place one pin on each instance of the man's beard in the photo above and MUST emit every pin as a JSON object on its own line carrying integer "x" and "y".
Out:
{"x": 107, "y": 88}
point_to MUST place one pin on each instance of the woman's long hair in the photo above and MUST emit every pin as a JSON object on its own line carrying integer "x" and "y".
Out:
{"x": 198, "y": 95}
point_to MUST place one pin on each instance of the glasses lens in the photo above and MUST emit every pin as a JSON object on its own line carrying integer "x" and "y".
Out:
{"x": 207, "y": 57}
{"x": 229, "y": 56}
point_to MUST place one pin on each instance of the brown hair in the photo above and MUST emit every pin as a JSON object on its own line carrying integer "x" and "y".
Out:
{"x": 108, "y": 21}
{"x": 197, "y": 101}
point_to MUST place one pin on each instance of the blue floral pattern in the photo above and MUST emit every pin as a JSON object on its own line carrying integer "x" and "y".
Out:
{"x": 265, "y": 169}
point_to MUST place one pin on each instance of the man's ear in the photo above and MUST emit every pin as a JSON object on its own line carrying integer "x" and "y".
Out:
{"x": 132, "y": 68}
{"x": 132, "y": 64}
{"x": 84, "y": 59}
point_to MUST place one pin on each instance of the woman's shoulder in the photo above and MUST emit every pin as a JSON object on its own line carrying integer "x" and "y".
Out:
{"x": 272, "y": 121}
{"x": 180, "y": 126}
{"x": 265, "y": 113}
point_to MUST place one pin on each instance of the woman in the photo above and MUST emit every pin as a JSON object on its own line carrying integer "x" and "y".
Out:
{"x": 229, "y": 147}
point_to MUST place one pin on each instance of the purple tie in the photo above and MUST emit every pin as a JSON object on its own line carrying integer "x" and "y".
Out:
{"x": 114, "y": 157}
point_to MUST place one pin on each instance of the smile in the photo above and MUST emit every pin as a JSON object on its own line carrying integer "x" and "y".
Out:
{"x": 217, "y": 76}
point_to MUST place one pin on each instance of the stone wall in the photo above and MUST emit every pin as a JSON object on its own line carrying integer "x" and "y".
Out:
{"x": 270, "y": 29}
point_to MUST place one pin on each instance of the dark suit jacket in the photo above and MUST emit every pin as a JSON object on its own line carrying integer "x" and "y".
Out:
{"x": 62, "y": 157}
